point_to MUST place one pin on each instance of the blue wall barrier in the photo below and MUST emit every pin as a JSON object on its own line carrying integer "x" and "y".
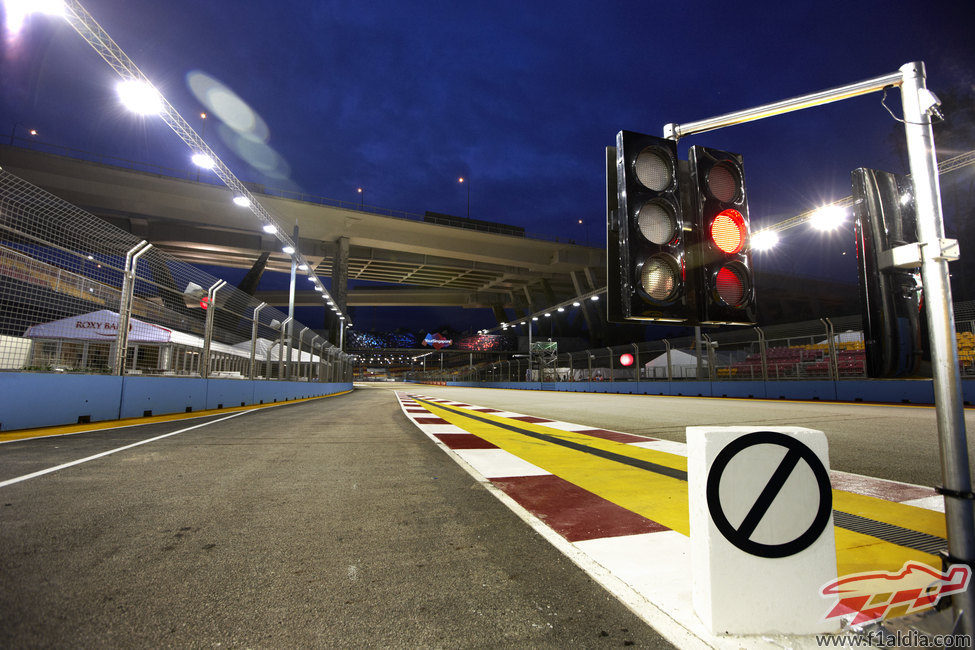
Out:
{"x": 885, "y": 391}
{"x": 29, "y": 400}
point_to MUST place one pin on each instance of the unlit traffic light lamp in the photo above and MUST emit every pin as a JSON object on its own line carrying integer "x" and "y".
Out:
{"x": 646, "y": 236}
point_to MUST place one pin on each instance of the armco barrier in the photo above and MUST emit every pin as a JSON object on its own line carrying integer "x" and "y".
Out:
{"x": 29, "y": 400}
{"x": 906, "y": 391}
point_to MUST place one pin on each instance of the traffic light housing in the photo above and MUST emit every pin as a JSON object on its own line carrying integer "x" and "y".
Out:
{"x": 646, "y": 233}
{"x": 890, "y": 295}
{"x": 719, "y": 247}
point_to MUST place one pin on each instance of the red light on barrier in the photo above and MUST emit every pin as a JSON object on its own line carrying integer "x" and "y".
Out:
{"x": 626, "y": 359}
{"x": 204, "y": 303}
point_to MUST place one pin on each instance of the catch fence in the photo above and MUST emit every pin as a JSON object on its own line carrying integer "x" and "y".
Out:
{"x": 75, "y": 291}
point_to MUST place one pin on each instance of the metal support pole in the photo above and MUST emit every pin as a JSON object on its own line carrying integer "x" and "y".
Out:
{"x": 341, "y": 335}
{"x": 918, "y": 105}
{"x": 208, "y": 327}
{"x": 291, "y": 304}
{"x": 609, "y": 355}
{"x": 312, "y": 371}
{"x": 763, "y": 351}
{"x": 670, "y": 376}
{"x": 677, "y": 131}
{"x": 281, "y": 361}
{"x": 636, "y": 364}
{"x": 125, "y": 305}
{"x": 834, "y": 365}
{"x": 254, "y": 324}
{"x": 301, "y": 335}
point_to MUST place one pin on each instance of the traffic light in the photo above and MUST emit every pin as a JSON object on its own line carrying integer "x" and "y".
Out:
{"x": 720, "y": 267}
{"x": 646, "y": 233}
{"x": 890, "y": 286}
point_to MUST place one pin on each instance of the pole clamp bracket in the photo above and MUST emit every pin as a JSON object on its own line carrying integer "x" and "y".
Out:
{"x": 954, "y": 494}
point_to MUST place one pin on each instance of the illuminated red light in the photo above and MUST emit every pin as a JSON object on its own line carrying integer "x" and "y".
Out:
{"x": 626, "y": 359}
{"x": 204, "y": 303}
{"x": 730, "y": 287}
{"x": 728, "y": 231}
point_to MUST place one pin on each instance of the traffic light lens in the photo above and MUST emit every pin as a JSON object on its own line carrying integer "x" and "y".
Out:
{"x": 731, "y": 286}
{"x": 724, "y": 182}
{"x": 658, "y": 279}
{"x": 653, "y": 169}
{"x": 656, "y": 221}
{"x": 728, "y": 231}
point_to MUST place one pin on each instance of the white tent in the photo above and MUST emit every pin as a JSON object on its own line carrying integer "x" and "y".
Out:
{"x": 682, "y": 365}
{"x": 102, "y": 326}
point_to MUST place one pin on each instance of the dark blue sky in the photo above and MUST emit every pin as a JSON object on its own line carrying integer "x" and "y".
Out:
{"x": 521, "y": 98}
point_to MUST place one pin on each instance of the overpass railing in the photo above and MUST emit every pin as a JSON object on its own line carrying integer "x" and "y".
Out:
{"x": 78, "y": 295}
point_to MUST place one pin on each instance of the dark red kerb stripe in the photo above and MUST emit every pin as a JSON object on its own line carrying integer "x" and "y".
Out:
{"x": 573, "y": 512}
{"x": 464, "y": 441}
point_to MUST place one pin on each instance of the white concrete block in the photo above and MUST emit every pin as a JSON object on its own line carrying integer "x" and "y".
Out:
{"x": 767, "y": 499}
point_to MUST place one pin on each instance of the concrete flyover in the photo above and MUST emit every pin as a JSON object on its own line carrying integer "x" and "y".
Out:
{"x": 419, "y": 263}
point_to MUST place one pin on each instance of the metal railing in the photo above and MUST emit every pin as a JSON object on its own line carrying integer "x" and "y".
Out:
{"x": 829, "y": 348}
{"x": 80, "y": 295}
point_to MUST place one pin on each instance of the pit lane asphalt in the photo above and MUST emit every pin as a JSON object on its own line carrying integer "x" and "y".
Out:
{"x": 333, "y": 522}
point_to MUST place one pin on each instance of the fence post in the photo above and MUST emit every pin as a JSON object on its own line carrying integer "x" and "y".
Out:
{"x": 208, "y": 327}
{"x": 281, "y": 360}
{"x": 763, "y": 351}
{"x": 834, "y": 368}
{"x": 125, "y": 305}
{"x": 612, "y": 371}
{"x": 254, "y": 324}
{"x": 670, "y": 377}
{"x": 301, "y": 335}
{"x": 311, "y": 360}
{"x": 636, "y": 364}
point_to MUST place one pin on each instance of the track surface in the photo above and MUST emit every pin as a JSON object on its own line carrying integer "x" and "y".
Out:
{"x": 329, "y": 523}
{"x": 337, "y": 522}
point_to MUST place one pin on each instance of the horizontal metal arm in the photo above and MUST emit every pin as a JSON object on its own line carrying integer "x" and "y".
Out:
{"x": 677, "y": 131}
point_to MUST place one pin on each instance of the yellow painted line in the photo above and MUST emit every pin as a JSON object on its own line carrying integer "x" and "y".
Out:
{"x": 71, "y": 429}
{"x": 664, "y": 499}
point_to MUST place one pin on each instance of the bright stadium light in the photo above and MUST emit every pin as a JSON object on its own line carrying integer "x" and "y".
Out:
{"x": 828, "y": 217}
{"x": 242, "y": 201}
{"x": 764, "y": 240}
{"x": 17, "y": 11}
{"x": 288, "y": 250}
{"x": 270, "y": 229}
{"x": 139, "y": 97}
{"x": 202, "y": 160}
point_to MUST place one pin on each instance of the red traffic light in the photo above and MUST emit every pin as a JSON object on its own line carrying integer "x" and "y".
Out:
{"x": 728, "y": 231}
{"x": 626, "y": 359}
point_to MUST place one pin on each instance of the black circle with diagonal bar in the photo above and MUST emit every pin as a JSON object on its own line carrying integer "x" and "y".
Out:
{"x": 741, "y": 536}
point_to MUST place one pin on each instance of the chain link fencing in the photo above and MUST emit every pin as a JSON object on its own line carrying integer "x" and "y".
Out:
{"x": 75, "y": 291}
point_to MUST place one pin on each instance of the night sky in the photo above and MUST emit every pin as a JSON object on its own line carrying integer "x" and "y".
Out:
{"x": 402, "y": 98}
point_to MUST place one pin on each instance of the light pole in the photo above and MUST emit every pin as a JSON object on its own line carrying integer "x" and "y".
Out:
{"x": 203, "y": 136}
{"x": 13, "y": 131}
{"x": 462, "y": 180}
{"x": 362, "y": 196}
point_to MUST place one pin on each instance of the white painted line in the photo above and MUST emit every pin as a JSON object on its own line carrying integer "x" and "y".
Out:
{"x": 936, "y": 503}
{"x": 666, "y": 446}
{"x": 435, "y": 429}
{"x": 113, "y": 451}
{"x": 498, "y": 463}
